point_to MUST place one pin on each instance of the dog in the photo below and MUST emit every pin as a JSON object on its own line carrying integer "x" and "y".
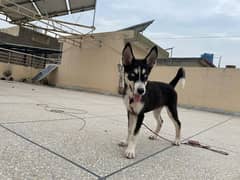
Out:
{"x": 142, "y": 96}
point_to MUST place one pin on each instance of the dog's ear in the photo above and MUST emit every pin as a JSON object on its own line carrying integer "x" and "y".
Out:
{"x": 127, "y": 54}
{"x": 152, "y": 56}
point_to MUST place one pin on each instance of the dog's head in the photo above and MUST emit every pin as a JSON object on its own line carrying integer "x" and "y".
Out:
{"x": 137, "y": 70}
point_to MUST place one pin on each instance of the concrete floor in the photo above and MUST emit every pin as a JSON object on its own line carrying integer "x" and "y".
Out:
{"x": 50, "y": 133}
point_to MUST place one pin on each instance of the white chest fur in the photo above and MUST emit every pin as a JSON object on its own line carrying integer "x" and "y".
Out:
{"x": 134, "y": 106}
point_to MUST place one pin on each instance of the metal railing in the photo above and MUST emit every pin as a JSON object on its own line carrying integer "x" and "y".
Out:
{"x": 25, "y": 59}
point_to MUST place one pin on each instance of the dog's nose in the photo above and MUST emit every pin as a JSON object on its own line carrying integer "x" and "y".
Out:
{"x": 140, "y": 91}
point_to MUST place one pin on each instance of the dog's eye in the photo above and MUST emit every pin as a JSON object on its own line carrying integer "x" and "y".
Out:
{"x": 144, "y": 77}
{"x": 131, "y": 76}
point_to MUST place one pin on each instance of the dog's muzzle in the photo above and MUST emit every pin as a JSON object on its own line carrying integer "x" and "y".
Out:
{"x": 139, "y": 88}
{"x": 139, "y": 91}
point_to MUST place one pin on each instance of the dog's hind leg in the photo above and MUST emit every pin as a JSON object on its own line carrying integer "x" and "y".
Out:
{"x": 159, "y": 120}
{"x": 173, "y": 114}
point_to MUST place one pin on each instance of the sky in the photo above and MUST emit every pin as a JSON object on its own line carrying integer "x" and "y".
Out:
{"x": 191, "y": 27}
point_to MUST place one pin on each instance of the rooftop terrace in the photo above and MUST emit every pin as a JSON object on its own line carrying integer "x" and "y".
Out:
{"x": 51, "y": 133}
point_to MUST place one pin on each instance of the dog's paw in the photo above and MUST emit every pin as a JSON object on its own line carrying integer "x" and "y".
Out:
{"x": 122, "y": 144}
{"x": 152, "y": 137}
{"x": 177, "y": 142}
{"x": 130, "y": 153}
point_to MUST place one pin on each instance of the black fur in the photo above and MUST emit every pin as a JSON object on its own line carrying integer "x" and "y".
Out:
{"x": 140, "y": 119}
{"x": 159, "y": 94}
{"x": 180, "y": 74}
{"x": 156, "y": 95}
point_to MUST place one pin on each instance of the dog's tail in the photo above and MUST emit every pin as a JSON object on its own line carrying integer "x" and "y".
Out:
{"x": 179, "y": 76}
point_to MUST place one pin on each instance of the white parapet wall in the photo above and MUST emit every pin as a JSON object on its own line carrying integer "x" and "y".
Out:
{"x": 19, "y": 72}
{"x": 96, "y": 69}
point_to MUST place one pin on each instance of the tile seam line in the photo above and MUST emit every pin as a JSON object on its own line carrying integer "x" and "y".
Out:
{"x": 37, "y": 121}
{"x": 210, "y": 128}
{"x": 50, "y": 151}
{"x": 166, "y": 148}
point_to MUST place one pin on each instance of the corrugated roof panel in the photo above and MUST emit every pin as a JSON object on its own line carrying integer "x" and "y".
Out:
{"x": 139, "y": 27}
{"x": 82, "y": 5}
{"x": 50, "y": 8}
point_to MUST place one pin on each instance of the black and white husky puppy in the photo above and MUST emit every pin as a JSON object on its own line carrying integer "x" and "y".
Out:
{"x": 142, "y": 96}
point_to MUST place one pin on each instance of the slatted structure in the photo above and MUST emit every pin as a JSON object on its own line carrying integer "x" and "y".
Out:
{"x": 24, "y": 59}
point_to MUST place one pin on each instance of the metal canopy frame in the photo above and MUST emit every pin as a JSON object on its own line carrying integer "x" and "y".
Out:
{"x": 59, "y": 29}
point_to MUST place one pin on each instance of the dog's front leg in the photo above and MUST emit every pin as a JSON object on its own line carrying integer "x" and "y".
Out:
{"x": 131, "y": 139}
{"x": 135, "y": 122}
{"x": 130, "y": 124}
